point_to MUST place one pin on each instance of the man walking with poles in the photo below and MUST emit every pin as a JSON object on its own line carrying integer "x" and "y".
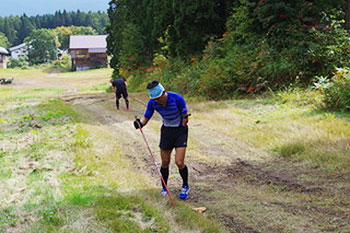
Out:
{"x": 120, "y": 88}
{"x": 174, "y": 131}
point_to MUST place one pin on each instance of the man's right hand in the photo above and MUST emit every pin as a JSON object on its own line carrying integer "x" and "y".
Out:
{"x": 137, "y": 123}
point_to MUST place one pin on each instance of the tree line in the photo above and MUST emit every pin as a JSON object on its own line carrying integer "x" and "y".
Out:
{"x": 141, "y": 28}
{"x": 215, "y": 47}
{"x": 16, "y": 28}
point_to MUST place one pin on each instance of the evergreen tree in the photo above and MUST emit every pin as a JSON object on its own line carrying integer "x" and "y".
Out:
{"x": 25, "y": 29}
{"x": 195, "y": 22}
{"x": 10, "y": 32}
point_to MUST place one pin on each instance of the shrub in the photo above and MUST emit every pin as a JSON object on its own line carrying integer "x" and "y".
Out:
{"x": 337, "y": 94}
{"x": 22, "y": 62}
{"x": 64, "y": 63}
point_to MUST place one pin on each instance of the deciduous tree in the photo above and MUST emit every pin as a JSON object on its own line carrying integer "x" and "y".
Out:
{"x": 42, "y": 46}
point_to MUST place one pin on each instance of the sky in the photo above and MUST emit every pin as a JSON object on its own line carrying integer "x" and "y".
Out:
{"x": 40, "y": 7}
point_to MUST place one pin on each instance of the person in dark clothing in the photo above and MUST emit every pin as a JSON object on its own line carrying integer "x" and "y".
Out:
{"x": 120, "y": 87}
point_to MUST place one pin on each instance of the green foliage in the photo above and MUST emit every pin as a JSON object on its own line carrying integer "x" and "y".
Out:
{"x": 4, "y": 42}
{"x": 131, "y": 38}
{"x": 42, "y": 46}
{"x": 131, "y": 55}
{"x": 51, "y": 215}
{"x": 268, "y": 44}
{"x": 194, "y": 23}
{"x": 64, "y": 63}
{"x": 7, "y": 218}
{"x": 337, "y": 94}
{"x": 119, "y": 213}
{"x": 181, "y": 29}
{"x": 22, "y": 62}
{"x": 321, "y": 83}
{"x": 286, "y": 42}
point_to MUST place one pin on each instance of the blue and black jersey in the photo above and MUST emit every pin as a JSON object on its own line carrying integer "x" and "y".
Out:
{"x": 171, "y": 113}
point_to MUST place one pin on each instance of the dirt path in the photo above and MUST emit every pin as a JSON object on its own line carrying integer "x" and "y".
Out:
{"x": 244, "y": 188}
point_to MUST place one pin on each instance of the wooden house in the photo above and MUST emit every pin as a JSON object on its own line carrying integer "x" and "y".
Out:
{"x": 88, "y": 51}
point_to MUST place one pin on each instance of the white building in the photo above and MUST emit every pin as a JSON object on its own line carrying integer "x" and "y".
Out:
{"x": 19, "y": 51}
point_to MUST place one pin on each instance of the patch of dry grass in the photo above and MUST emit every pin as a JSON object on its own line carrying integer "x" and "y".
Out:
{"x": 293, "y": 131}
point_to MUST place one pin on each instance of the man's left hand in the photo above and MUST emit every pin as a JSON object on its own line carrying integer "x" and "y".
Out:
{"x": 184, "y": 122}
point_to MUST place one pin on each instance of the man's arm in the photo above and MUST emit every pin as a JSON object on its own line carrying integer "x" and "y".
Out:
{"x": 148, "y": 114}
{"x": 181, "y": 104}
{"x": 144, "y": 121}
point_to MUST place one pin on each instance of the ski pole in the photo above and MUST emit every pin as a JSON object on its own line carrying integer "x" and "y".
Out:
{"x": 156, "y": 166}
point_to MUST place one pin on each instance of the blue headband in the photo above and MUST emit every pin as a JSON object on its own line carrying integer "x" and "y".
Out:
{"x": 156, "y": 91}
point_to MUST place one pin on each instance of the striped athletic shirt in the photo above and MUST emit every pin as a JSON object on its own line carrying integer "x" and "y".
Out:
{"x": 171, "y": 113}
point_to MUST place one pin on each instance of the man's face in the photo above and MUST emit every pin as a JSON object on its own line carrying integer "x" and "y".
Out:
{"x": 160, "y": 99}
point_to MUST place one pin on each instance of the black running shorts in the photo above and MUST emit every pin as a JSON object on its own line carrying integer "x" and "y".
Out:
{"x": 171, "y": 137}
{"x": 121, "y": 92}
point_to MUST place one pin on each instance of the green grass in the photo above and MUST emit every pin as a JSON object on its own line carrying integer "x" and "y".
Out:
{"x": 102, "y": 87}
{"x": 35, "y": 73}
{"x": 290, "y": 149}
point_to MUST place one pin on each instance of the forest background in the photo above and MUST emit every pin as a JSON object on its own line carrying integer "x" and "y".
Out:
{"x": 216, "y": 49}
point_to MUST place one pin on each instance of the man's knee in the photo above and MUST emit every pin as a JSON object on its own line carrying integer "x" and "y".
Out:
{"x": 165, "y": 163}
{"x": 180, "y": 164}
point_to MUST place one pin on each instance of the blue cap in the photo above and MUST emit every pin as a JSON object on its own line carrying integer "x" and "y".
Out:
{"x": 156, "y": 91}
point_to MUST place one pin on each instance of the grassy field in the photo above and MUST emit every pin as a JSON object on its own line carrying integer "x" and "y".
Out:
{"x": 54, "y": 177}
{"x": 69, "y": 162}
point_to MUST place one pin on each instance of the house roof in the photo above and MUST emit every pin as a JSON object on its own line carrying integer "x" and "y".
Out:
{"x": 3, "y": 51}
{"x": 87, "y": 41}
{"x": 18, "y": 47}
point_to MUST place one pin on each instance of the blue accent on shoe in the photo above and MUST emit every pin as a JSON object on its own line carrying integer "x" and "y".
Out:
{"x": 184, "y": 192}
{"x": 164, "y": 193}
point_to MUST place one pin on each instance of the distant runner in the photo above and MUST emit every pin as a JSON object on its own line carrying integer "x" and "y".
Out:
{"x": 174, "y": 131}
{"x": 120, "y": 87}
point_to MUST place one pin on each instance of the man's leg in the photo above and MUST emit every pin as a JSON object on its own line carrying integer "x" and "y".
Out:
{"x": 180, "y": 162}
{"x": 125, "y": 96}
{"x": 164, "y": 170}
{"x": 127, "y": 103}
{"x": 117, "y": 102}
{"x": 117, "y": 96}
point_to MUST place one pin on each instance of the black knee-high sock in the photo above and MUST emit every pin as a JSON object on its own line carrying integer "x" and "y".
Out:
{"x": 127, "y": 103}
{"x": 117, "y": 103}
{"x": 184, "y": 175}
{"x": 165, "y": 174}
